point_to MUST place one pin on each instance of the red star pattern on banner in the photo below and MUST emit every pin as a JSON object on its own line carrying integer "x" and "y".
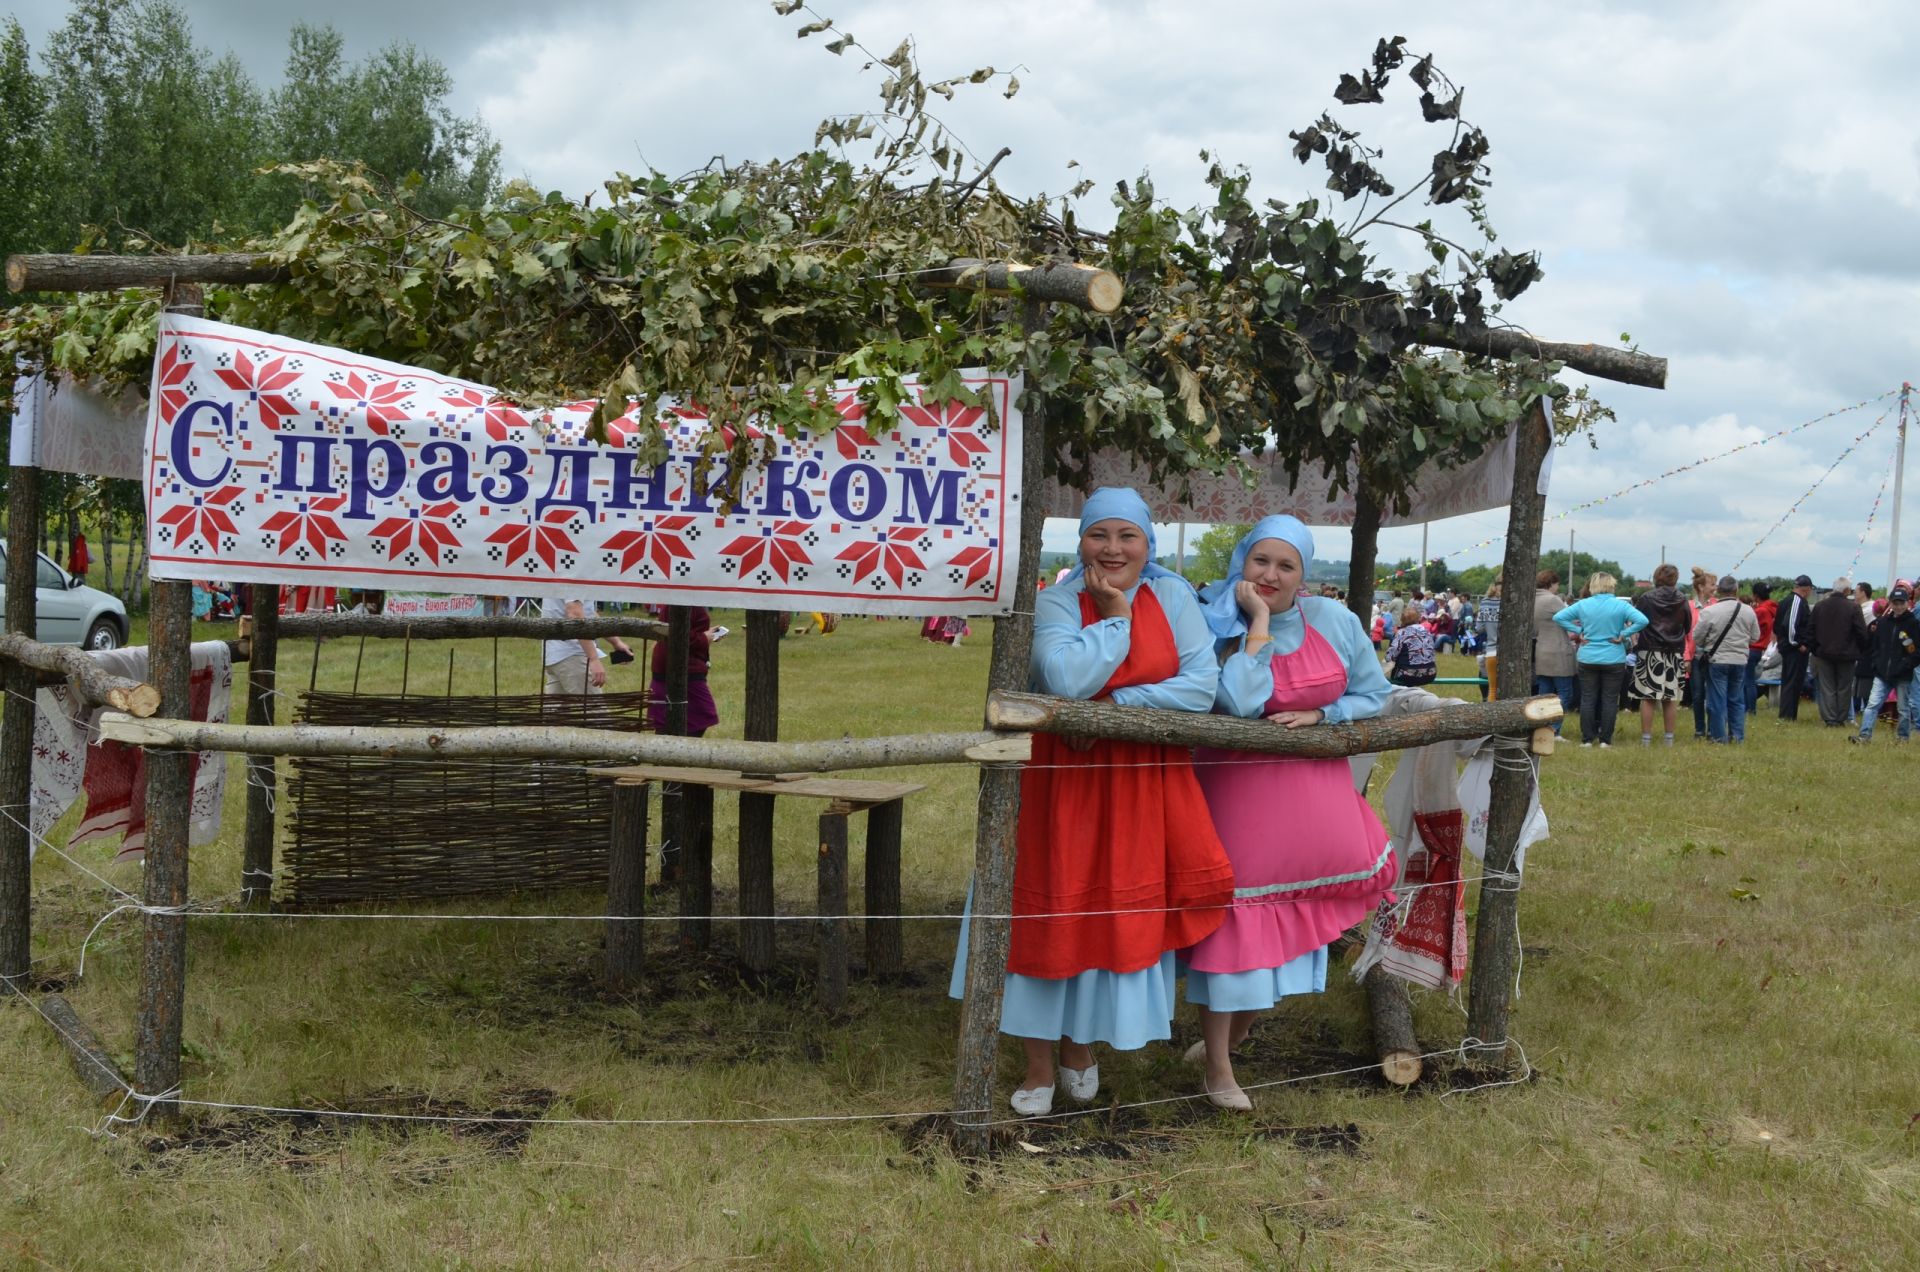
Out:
{"x": 383, "y": 403}
{"x": 546, "y": 538}
{"x": 262, "y": 385}
{"x": 976, "y": 562}
{"x": 778, "y": 549}
{"x": 174, "y": 370}
{"x": 657, "y": 541}
{"x": 207, "y": 517}
{"x": 426, "y": 526}
{"x": 500, "y": 414}
{"x": 852, "y": 436}
{"x": 954, "y": 422}
{"x": 890, "y": 553}
{"x": 310, "y": 523}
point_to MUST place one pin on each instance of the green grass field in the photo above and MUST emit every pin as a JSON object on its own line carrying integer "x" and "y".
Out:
{"x": 1718, "y": 1005}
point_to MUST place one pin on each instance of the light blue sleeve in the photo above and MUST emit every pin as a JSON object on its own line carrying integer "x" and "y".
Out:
{"x": 1192, "y": 687}
{"x": 1569, "y": 617}
{"x": 1071, "y": 661}
{"x": 1367, "y": 686}
{"x": 1246, "y": 682}
{"x": 1635, "y": 619}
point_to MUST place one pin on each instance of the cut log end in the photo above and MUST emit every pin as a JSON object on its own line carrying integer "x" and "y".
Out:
{"x": 1401, "y": 1068}
{"x": 16, "y": 274}
{"x": 141, "y": 702}
{"x": 1104, "y": 292}
{"x": 1544, "y": 709}
{"x": 1543, "y": 740}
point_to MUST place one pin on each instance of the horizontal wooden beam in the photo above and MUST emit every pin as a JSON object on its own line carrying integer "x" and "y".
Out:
{"x": 1084, "y": 285}
{"x": 441, "y": 627}
{"x": 73, "y": 664}
{"x": 1623, "y": 366}
{"x": 47, "y": 272}
{"x": 1072, "y": 717}
{"x": 564, "y": 742}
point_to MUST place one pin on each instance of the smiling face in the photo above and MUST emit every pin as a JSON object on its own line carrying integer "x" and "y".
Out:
{"x": 1117, "y": 549}
{"x": 1274, "y": 568}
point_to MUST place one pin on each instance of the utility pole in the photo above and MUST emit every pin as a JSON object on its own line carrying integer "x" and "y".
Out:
{"x": 1423, "y": 555}
{"x": 1571, "y": 590}
{"x": 1899, "y": 473}
{"x": 1180, "y": 557}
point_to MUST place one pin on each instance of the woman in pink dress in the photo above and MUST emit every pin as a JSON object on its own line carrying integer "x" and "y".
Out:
{"x": 1310, "y": 859}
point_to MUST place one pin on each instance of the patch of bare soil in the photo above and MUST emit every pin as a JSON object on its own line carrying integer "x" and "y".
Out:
{"x": 299, "y": 1141}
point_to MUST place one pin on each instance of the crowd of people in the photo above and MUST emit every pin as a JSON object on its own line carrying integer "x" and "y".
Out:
{"x": 1716, "y": 646}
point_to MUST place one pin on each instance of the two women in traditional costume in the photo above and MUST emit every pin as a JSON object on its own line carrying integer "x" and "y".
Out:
{"x": 1119, "y": 863}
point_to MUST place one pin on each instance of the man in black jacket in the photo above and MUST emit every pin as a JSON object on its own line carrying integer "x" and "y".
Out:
{"x": 1839, "y": 637}
{"x": 1895, "y": 651}
{"x": 1792, "y": 629}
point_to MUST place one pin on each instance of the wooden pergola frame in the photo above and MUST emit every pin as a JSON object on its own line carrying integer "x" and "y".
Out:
{"x": 163, "y": 947}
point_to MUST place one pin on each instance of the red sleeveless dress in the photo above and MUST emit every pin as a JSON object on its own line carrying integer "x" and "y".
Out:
{"x": 1122, "y": 827}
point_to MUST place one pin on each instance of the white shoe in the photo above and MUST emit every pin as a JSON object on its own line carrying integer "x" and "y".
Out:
{"x": 1233, "y": 1099}
{"x": 1587, "y": 745}
{"x": 1196, "y": 1054}
{"x": 1606, "y": 746}
{"x": 1035, "y": 1103}
{"x": 1081, "y": 1084}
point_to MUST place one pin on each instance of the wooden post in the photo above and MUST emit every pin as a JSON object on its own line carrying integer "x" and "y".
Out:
{"x": 163, "y": 942}
{"x": 993, "y": 851}
{"x": 673, "y": 804}
{"x": 884, "y": 953}
{"x": 16, "y": 728}
{"x": 762, "y": 724}
{"x": 256, "y": 860}
{"x": 1496, "y": 940}
{"x": 696, "y": 869}
{"x": 831, "y": 936}
{"x": 626, "y": 887}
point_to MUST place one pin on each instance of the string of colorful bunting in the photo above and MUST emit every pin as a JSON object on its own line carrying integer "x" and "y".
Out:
{"x": 1795, "y": 507}
{"x": 1874, "y": 511}
{"x": 1671, "y": 472}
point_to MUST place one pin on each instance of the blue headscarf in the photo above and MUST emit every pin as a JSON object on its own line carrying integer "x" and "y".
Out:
{"x": 1217, "y": 600}
{"x": 1120, "y": 503}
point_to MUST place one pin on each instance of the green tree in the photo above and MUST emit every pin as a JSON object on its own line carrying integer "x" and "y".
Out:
{"x": 1212, "y": 552}
{"x": 23, "y": 104}
{"x": 388, "y": 112}
{"x": 148, "y": 136}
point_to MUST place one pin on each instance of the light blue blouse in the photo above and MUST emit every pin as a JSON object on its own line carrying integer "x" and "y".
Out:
{"x": 1603, "y": 621}
{"x": 1246, "y": 680}
{"x": 1071, "y": 661}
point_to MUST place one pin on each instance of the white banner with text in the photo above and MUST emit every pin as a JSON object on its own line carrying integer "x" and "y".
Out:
{"x": 273, "y": 461}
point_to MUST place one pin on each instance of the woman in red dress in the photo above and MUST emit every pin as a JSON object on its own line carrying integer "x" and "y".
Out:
{"x": 1118, "y": 865}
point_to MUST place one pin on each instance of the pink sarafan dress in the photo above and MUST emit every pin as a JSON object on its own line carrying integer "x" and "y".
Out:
{"x": 1310, "y": 859}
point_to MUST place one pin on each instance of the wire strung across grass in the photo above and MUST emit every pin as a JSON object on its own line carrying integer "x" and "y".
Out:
{"x": 143, "y": 1103}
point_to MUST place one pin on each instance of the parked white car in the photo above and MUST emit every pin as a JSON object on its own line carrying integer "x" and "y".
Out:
{"x": 69, "y": 612}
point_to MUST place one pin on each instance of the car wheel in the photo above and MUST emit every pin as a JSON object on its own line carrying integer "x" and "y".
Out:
{"x": 103, "y": 635}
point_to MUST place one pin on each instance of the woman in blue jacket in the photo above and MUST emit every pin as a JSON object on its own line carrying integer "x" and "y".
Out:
{"x": 1602, "y": 624}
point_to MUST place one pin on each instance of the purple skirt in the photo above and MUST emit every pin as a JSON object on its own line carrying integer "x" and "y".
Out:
{"x": 701, "y": 713}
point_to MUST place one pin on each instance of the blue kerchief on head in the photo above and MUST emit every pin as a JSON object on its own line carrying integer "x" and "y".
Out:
{"x": 1217, "y": 600}
{"x": 1121, "y": 503}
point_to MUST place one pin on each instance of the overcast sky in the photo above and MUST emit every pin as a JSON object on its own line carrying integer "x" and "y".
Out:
{"x": 1737, "y": 185}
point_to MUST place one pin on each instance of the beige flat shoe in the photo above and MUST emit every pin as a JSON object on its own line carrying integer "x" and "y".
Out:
{"x": 1196, "y": 1054}
{"x": 1233, "y": 1099}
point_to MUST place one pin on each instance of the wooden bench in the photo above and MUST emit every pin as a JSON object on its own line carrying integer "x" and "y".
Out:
{"x": 882, "y": 802}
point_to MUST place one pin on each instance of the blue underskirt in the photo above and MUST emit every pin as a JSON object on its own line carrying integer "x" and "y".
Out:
{"x": 1125, "y": 1010}
{"x": 1261, "y": 988}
